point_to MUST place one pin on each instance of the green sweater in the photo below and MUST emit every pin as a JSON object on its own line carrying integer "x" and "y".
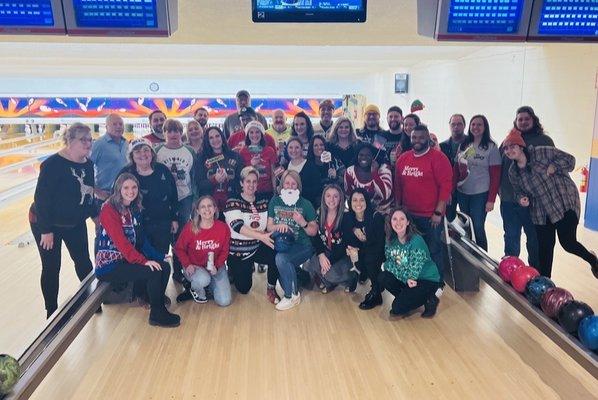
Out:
{"x": 410, "y": 260}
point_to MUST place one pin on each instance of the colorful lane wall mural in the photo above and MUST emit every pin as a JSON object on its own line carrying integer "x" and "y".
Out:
{"x": 139, "y": 107}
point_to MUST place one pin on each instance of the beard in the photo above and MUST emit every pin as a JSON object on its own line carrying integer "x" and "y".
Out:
{"x": 394, "y": 125}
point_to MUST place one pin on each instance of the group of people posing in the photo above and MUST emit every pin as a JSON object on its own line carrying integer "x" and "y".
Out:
{"x": 307, "y": 202}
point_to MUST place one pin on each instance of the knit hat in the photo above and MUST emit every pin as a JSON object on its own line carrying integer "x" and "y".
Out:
{"x": 247, "y": 111}
{"x": 514, "y": 137}
{"x": 138, "y": 142}
{"x": 371, "y": 108}
{"x": 417, "y": 105}
{"x": 327, "y": 103}
{"x": 255, "y": 124}
{"x": 242, "y": 93}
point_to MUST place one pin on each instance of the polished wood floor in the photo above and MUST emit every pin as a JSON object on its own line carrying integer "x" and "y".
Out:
{"x": 477, "y": 347}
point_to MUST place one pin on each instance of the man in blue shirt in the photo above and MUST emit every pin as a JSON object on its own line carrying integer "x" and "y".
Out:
{"x": 109, "y": 155}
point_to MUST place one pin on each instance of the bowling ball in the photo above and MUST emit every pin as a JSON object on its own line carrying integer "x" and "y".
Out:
{"x": 588, "y": 332}
{"x": 507, "y": 265}
{"x": 521, "y": 276}
{"x": 553, "y": 300}
{"x": 536, "y": 288}
{"x": 572, "y": 313}
{"x": 10, "y": 371}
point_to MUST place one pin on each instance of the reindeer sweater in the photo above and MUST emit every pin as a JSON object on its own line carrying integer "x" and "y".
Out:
{"x": 64, "y": 194}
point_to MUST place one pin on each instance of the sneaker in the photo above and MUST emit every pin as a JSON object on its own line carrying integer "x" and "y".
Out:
{"x": 162, "y": 317}
{"x": 184, "y": 296}
{"x": 430, "y": 307}
{"x": 372, "y": 299}
{"x": 287, "y": 304}
{"x": 197, "y": 297}
{"x": 279, "y": 290}
{"x": 272, "y": 296}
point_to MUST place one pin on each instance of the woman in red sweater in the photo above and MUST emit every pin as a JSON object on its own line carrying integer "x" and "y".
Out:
{"x": 256, "y": 153}
{"x": 202, "y": 248}
{"x": 122, "y": 253}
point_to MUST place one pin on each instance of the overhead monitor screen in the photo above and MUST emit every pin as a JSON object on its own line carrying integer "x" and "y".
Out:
{"x": 565, "y": 20}
{"x": 31, "y": 17}
{"x": 116, "y": 13}
{"x": 26, "y": 13}
{"x": 484, "y": 16}
{"x": 121, "y": 17}
{"x": 485, "y": 20}
{"x": 309, "y": 10}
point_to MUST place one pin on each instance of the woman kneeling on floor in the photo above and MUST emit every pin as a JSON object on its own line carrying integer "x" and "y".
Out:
{"x": 409, "y": 272}
{"x": 203, "y": 248}
{"x": 331, "y": 262}
{"x": 123, "y": 255}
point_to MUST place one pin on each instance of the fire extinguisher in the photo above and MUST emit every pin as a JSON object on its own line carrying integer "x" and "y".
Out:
{"x": 585, "y": 175}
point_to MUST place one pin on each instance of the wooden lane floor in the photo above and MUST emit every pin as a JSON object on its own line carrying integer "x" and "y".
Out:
{"x": 21, "y": 302}
{"x": 477, "y": 346}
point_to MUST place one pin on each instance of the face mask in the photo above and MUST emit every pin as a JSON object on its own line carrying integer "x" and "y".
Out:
{"x": 289, "y": 196}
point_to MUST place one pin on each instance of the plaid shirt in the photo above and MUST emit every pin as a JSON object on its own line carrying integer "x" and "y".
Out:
{"x": 550, "y": 196}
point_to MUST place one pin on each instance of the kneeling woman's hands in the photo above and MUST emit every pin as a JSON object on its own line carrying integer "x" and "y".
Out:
{"x": 153, "y": 265}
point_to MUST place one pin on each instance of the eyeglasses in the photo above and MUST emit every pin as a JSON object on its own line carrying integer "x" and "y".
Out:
{"x": 85, "y": 139}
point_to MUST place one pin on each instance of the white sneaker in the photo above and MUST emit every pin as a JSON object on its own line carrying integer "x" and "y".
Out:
{"x": 287, "y": 304}
{"x": 279, "y": 289}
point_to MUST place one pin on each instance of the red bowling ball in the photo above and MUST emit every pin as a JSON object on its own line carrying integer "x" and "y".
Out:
{"x": 507, "y": 265}
{"x": 521, "y": 276}
{"x": 554, "y": 299}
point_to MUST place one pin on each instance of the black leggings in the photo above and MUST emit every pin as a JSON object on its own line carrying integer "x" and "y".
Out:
{"x": 156, "y": 280}
{"x": 371, "y": 264}
{"x": 567, "y": 231}
{"x": 76, "y": 242}
{"x": 406, "y": 298}
{"x": 242, "y": 268}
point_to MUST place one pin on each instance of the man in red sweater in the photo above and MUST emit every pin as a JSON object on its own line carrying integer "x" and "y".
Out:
{"x": 423, "y": 185}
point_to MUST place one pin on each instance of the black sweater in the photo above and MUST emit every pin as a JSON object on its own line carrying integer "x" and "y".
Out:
{"x": 64, "y": 194}
{"x": 338, "y": 249}
{"x": 159, "y": 196}
{"x": 372, "y": 249}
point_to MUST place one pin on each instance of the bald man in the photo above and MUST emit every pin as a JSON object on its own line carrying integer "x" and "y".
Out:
{"x": 109, "y": 155}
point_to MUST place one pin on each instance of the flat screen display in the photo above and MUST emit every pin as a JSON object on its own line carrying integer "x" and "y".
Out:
{"x": 120, "y": 17}
{"x": 31, "y": 16}
{"x": 309, "y": 10}
{"x": 116, "y": 13}
{"x": 484, "y": 19}
{"x": 566, "y": 20}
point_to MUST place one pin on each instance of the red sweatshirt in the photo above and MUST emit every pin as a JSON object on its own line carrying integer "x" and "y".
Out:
{"x": 238, "y": 139}
{"x": 153, "y": 139}
{"x": 193, "y": 248}
{"x": 420, "y": 182}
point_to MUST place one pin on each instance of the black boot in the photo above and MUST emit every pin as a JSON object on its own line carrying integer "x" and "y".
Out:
{"x": 430, "y": 306}
{"x": 372, "y": 299}
{"x": 159, "y": 316}
{"x": 184, "y": 296}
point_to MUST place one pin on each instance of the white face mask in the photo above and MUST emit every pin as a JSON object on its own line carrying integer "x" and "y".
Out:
{"x": 289, "y": 196}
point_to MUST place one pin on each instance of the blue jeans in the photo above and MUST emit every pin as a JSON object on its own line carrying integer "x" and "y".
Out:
{"x": 219, "y": 285}
{"x": 474, "y": 205}
{"x": 515, "y": 217}
{"x": 432, "y": 237}
{"x": 286, "y": 263}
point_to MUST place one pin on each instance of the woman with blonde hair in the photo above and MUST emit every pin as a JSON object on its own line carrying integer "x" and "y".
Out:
{"x": 124, "y": 255}
{"x": 342, "y": 140}
{"x": 194, "y": 136}
{"x": 331, "y": 262}
{"x": 63, "y": 200}
{"x": 202, "y": 248}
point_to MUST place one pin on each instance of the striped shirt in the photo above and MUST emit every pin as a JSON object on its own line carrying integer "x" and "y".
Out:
{"x": 550, "y": 195}
{"x": 240, "y": 212}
